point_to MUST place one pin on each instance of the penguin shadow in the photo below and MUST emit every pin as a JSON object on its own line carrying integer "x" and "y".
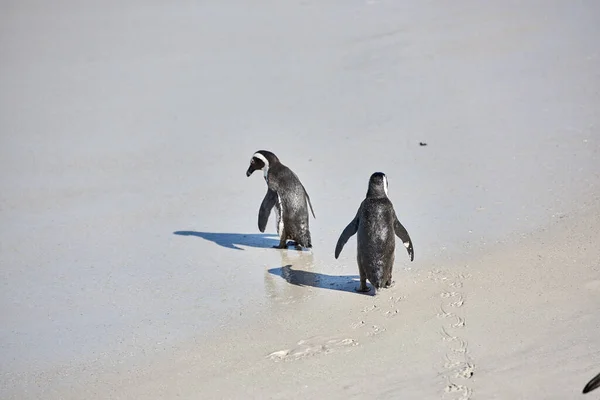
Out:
{"x": 233, "y": 240}
{"x": 305, "y": 277}
{"x": 298, "y": 277}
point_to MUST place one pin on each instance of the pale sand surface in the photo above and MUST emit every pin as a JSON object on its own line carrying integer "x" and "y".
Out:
{"x": 520, "y": 321}
{"x": 130, "y": 261}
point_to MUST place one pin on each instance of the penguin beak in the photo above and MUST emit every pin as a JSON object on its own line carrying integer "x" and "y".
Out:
{"x": 250, "y": 171}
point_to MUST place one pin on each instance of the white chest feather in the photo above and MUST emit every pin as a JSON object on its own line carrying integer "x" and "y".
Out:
{"x": 279, "y": 216}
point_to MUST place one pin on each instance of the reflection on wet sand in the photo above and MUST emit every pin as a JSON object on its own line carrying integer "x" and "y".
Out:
{"x": 281, "y": 290}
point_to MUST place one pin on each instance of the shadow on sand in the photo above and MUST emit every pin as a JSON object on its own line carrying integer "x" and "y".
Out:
{"x": 231, "y": 240}
{"x": 343, "y": 283}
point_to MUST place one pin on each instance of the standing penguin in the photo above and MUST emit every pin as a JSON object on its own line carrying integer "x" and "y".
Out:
{"x": 286, "y": 193}
{"x": 376, "y": 223}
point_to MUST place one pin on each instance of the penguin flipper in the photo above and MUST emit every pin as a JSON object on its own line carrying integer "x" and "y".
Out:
{"x": 265, "y": 209}
{"x": 593, "y": 384}
{"x": 350, "y": 230}
{"x": 402, "y": 233}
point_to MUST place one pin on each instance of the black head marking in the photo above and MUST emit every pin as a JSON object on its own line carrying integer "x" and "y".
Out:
{"x": 377, "y": 185}
{"x": 255, "y": 163}
{"x": 261, "y": 159}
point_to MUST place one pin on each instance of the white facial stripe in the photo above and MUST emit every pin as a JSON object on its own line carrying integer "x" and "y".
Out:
{"x": 385, "y": 184}
{"x": 266, "y": 167}
{"x": 262, "y": 158}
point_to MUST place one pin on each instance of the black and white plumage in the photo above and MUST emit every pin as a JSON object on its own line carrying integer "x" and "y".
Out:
{"x": 377, "y": 225}
{"x": 286, "y": 193}
{"x": 593, "y": 384}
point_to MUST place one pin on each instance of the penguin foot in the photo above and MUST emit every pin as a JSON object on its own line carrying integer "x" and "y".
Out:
{"x": 363, "y": 289}
{"x": 280, "y": 247}
{"x": 299, "y": 246}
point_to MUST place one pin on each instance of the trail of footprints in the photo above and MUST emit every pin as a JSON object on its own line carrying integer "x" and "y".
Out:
{"x": 389, "y": 311}
{"x": 364, "y": 328}
{"x": 459, "y": 368}
{"x": 457, "y": 363}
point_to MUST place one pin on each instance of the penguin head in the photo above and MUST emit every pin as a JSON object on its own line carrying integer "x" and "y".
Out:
{"x": 378, "y": 185}
{"x": 262, "y": 159}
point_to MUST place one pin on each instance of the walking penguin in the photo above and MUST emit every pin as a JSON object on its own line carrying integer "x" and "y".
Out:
{"x": 288, "y": 195}
{"x": 376, "y": 223}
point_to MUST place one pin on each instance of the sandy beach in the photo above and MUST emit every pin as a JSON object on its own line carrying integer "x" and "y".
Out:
{"x": 130, "y": 259}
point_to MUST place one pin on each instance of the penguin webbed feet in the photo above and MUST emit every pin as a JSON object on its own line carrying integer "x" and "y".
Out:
{"x": 363, "y": 288}
{"x": 297, "y": 246}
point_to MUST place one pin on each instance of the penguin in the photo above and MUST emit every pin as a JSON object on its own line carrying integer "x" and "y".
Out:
{"x": 289, "y": 197}
{"x": 593, "y": 384}
{"x": 376, "y": 223}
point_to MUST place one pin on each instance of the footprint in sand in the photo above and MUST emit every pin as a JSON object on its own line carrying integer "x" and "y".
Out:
{"x": 375, "y": 311}
{"x": 464, "y": 391}
{"x": 375, "y": 330}
{"x": 457, "y": 360}
{"x": 460, "y": 323}
{"x": 369, "y": 308}
{"x": 311, "y": 347}
{"x": 359, "y": 324}
{"x": 466, "y": 371}
{"x": 372, "y": 330}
